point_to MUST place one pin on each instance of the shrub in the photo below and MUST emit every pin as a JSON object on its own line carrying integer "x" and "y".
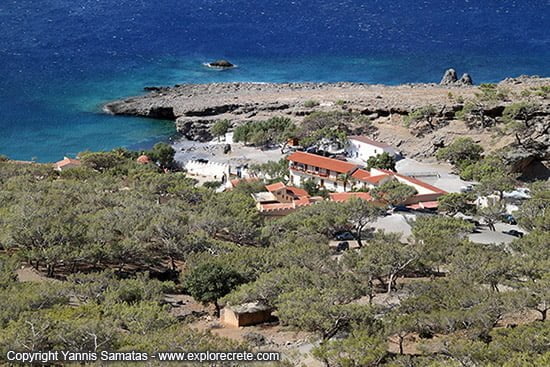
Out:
{"x": 420, "y": 114}
{"x": 459, "y": 151}
{"x": 220, "y": 128}
{"x": 212, "y": 184}
{"x": 311, "y": 103}
{"x": 492, "y": 93}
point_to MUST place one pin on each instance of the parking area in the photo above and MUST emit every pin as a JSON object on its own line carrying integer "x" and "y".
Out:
{"x": 400, "y": 222}
{"x": 484, "y": 235}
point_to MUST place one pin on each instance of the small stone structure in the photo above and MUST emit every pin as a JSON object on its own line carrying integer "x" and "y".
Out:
{"x": 246, "y": 314}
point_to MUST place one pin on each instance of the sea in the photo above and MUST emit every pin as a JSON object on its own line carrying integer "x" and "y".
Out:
{"x": 61, "y": 60}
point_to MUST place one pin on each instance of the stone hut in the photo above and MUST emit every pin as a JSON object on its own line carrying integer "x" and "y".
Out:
{"x": 246, "y": 314}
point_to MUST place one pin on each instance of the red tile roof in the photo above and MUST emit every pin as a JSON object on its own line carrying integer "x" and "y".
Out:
{"x": 303, "y": 201}
{"x": 345, "y": 196}
{"x": 297, "y": 191}
{"x": 290, "y": 189}
{"x": 424, "y": 205}
{"x": 363, "y": 175}
{"x": 276, "y": 186}
{"x": 322, "y": 162}
{"x": 364, "y": 139}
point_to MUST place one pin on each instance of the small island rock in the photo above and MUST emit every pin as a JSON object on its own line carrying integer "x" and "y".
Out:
{"x": 466, "y": 79}
{"x": 449, "y": 77}
{"x": 221, "y": 64}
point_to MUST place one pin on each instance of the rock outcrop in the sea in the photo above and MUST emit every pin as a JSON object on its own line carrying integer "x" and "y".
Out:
{"x": 222, "y": 64}
{"x": 451, "y": 78}
{"x": 466, "y": 79}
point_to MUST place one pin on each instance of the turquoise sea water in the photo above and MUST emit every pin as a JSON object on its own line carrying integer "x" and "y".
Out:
{"x": 60, "y": 60}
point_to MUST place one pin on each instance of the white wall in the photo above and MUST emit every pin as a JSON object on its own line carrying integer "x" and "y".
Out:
{"x": 210, "y": 169}
{"x": 298, "y": 179}
{"x": 359, "y": 150}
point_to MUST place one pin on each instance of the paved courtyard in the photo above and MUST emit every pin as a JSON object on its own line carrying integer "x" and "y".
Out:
{"x": 437, "y": 174}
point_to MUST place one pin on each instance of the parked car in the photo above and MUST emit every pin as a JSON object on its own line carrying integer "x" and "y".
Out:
{"x": 344, "y": 236}
{"x": 514, "y": 233}
{"x": 467, "y": 188}
{"x": 508, "y": 218}
{"x": 521, "y": 193}
{"x": 342, "y": 246}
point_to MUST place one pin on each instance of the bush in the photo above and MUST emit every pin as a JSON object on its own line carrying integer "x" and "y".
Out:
{"x": 311, "y": 103}
{"x": 420, "y": 114}
{"x": 209, "y": 282}
{"x": 212, "y": 184}
{"x": 383, "y": 161}
{"x": 492, "y": 93}
{"x": 220, "y": 128}
{"x": 460, "y": 151}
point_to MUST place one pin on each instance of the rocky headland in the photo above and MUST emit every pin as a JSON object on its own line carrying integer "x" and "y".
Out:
{"x": 416, "y": 118}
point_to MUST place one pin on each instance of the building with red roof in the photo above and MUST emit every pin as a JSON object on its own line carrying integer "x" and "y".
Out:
{"x": 341, "y": 176}
{"x": 332, "y": 174}
{"x": 345, "y": 196}
{"x": 280, "y": 199}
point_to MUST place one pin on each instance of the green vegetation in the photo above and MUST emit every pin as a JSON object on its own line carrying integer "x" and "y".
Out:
{"x": 311, "y": 103}
{"x": 492, "y": 174}
{"x": 331, "y": 127}
{"x": 519, "y": 118}
{"x": 461, "y": 152}
{"x": 272, "y": 171}
{"x": 276, "y": 130}
{"x": 426, "y": 113}
{"x": 208, "y": 283}
{"x": 313, "y": 189}
{"x": 220, "y": 128}
{"x": 212, "y": 184}
{"x": 393, "y": 192}
{"x": 492, "y": 93}
{"x": 384, "y": 161}
{"x": 109, "y": 231}
{"x": 454, "y": 203}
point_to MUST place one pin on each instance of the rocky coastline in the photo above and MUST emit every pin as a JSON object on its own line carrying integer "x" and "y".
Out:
{"x": 195, "y": 107}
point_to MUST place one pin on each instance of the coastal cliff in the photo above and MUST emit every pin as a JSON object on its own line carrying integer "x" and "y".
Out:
{"x": 416, "y": 118}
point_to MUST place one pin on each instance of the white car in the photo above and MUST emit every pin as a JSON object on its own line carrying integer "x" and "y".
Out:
{"x": 521, "y": 193}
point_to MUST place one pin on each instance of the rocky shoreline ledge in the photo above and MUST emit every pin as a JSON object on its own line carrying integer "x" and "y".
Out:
{"x": 195, "y": 107}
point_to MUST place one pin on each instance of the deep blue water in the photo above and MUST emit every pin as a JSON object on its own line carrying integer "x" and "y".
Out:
{"x": 61, "y": 59}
